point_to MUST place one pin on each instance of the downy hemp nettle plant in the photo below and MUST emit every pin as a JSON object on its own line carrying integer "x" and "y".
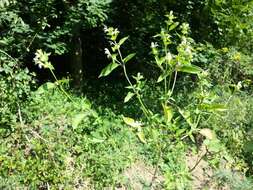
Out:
{"x": 170, "y": 65}
{"x": 161, "y": 129}
{"x": 158, "y": 128}
{"x": 42, "y": 60}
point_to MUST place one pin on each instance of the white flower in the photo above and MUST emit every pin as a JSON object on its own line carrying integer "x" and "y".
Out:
{"x": 168, "y": 56}
{"x": 108, "y": 53}
{"x": 106, "y": 29}
{"x": 42, "y": 59}
{"x": 115, "y": 32}
{"x": 40, "y": 66}
{"x": 188, "y": 50}
{"x": 154, "y": 45}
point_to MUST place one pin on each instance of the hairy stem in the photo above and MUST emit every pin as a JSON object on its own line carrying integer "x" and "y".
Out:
{"x": 174, "y": 82}
{"x": 61, "y": 88}
{"x": 144, "y": 109}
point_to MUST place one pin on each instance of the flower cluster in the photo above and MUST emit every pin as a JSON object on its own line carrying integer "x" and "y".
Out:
{"x": 42, "y": 60}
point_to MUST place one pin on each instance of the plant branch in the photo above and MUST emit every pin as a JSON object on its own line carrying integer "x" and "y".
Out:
{"x": 174, "y": 82}
{"x": 145, "y": 110}
{"x": 64, "y": 92}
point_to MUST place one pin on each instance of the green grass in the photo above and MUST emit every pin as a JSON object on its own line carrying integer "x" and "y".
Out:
{"x": 50, "y": 147}
{"x": 60, "y": 144}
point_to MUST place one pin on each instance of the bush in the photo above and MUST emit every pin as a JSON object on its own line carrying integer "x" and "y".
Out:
{"x": 15, "y": 85}
{"x": 61, "y": 144}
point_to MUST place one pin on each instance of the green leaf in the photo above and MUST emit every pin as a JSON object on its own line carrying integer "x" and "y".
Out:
{"x": 46, "y": 87}
{"x": 95, "y": 140}
{"x": 129, "y": 96}
{"x": 192, "y": 137}
{"x": 168, "y": 112}
{"x": 193, "y": 69}
{"x": 248, "y": 146}
{"x": 129, "y": 121}
{"x": 162, "y": 77}
{"x": 123, "y": 40}
{"x": 77, "y": 119}
{"x": 50, "y": 85}
{"x": 214, "y": 107}
{"x": 108, "y": 69}
{"x": 129, "y": 57}
{"x": 213, "y": 145}
{"x": 187, "y": 116}
{"x": 3, "y": 42}
{"x": 159, "y": 61}
{"x": 141, "y": 136}
{"x": 173, "y": 26}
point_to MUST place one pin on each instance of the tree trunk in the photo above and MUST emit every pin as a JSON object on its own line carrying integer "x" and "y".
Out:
{"x": 76, "y": 62}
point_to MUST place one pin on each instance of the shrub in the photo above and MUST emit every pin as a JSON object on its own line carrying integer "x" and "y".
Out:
{"x": 15, "y": 85}
{"x": 64, "y": 145}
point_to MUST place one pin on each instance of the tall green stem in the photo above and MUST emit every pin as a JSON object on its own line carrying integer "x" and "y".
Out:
{"x": 174, "y": 82}
{"x": 144, "y": 109}
{"x": 62, "y": 89}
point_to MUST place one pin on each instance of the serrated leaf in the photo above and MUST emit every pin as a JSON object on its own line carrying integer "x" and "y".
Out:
{"x": 141, "y": 136}
{"x": 193, "y": 69}
{"x": 131, "y": 122}
{"x": 129, "y": 57}
{"x": 108, "y": 69}
{"x": 77, "y": 119}
{"x": 123, "y": 40}
{"x": 208, "y": 133}
{"x": 128, "y": 96}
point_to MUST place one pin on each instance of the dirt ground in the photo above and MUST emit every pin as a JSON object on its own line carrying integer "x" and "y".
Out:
{"x": 140, "y": 176}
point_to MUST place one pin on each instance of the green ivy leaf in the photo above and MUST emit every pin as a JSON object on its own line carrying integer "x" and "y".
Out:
{"x": 108, "y": 69}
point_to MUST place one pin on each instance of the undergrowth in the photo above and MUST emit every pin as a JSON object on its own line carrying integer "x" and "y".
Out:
{"x": 198, "y": 103}
{"x": 61, "y": 145}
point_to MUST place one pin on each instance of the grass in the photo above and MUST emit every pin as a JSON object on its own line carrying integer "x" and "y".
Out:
{"x": 59, "y": 144}
{"x": 52, "y": 148}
